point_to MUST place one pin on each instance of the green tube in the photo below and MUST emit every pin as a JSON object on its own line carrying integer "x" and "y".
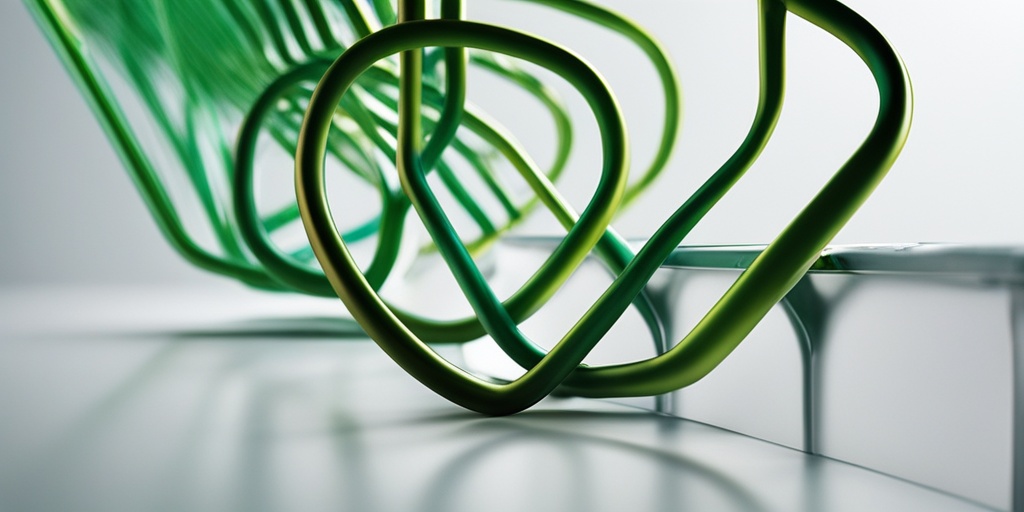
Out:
{"x": 767, "y": 280}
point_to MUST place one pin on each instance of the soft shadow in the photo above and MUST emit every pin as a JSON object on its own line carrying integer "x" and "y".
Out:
{"x": 505, "y": 433}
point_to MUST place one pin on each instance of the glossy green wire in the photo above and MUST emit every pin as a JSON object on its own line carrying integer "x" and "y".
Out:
{"x": 773, "y": 273}
{"x": 654, "y": 52}
{"x": 309, "y": 281}
{"x": 556, "y": 269}
{"x": 767, "y": 280}
{"x": 301, "y": 278}
{"x": 522, "y": 304}
{"x": 526, "y": 353}
{"x": 490, "y": 233}
{"x": 379, "y": 321}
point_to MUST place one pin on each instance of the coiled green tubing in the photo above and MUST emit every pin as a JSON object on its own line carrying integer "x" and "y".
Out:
{"x": 430, "y": 107}
{"x": 737, "y": 312}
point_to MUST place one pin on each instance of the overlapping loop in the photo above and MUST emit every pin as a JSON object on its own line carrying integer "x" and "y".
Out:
{"x": 204, "y": 70}
{"x": 453, "y": 114}
{"x": 766, "y": 281}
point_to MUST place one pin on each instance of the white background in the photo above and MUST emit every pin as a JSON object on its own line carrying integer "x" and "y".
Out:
{"x": 70, "y": 213}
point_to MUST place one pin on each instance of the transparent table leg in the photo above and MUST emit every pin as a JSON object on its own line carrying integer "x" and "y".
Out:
{"x": 808, "y": 313}
{"x": 1017, "y": 316}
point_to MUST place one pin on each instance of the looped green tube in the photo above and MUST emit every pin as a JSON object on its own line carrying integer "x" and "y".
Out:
{"x": 365, "y": 305}
{"x": 535, "y": 292}
{"x": 226, "y": 58}
{"x": 771, "y": 275}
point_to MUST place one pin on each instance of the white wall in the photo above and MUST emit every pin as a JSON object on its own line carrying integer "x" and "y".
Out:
{"x": 70, "y": 214}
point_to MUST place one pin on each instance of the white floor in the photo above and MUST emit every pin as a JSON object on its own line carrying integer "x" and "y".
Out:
{"x": 221, "y": 400}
